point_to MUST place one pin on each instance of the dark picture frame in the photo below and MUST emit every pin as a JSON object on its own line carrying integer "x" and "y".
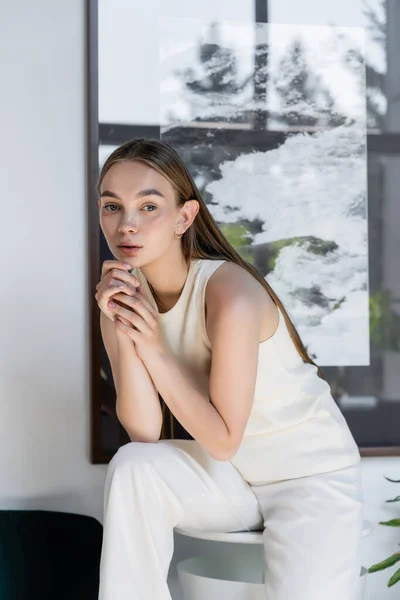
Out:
{"x": 376, "y": 431}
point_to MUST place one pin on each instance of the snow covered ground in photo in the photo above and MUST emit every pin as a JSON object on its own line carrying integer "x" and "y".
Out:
{"x": 312, "y": 185}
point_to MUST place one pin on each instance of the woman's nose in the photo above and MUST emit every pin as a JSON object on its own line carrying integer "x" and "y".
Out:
{"x": 127, "y": 224}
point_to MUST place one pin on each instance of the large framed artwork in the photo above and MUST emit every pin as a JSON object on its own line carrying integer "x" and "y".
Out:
{"x": 287, "y": 113}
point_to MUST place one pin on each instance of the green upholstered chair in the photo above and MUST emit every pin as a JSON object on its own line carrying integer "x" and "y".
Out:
{"x": 49, "y": 555}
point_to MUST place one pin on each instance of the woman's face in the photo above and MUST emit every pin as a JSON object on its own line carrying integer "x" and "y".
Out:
{"x": 137, "y": 205}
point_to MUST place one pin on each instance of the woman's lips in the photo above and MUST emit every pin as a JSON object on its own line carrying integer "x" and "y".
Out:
{"x": 129, "y": 250}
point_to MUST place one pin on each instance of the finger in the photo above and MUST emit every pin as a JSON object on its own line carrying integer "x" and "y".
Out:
{"x": 133, "y": 334}
{"x": 125, "y": 276}
{"x": 124, "y": 288}
{"x": 120, "y": 299}
{"x": 105, "y": 294}
{"x": 141, "y": 307}
{"x": 146, "y": 301}
{"x": 125, "y": 321}
{"x": 112, "y": 264}
{"x": 117, "y": 277}
{"x": 135, "y": 304}
{"x": 139, "y": 293}
{"x": 133, "y": 318}
{"x": 119, "y": 270}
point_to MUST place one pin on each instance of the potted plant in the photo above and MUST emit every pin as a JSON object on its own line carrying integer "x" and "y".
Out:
{"x": 394, "y": 558}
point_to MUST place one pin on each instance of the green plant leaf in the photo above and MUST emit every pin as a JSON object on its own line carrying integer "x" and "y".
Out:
{"x": 397, "y": 499}
{"x": 394, "y": 578}
{"x": 391, "y": 523}
{"x": 388, "y": 562}
{"x": 384, "y": 322}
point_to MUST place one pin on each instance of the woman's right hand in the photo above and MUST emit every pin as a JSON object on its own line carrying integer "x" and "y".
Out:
{"x": 115, "y": 279}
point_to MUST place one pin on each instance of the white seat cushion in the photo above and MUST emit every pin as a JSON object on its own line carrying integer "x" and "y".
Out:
{"x": 243, "y": 537}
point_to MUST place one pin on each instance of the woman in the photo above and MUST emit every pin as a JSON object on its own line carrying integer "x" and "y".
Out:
{"x": 185, "y": 317}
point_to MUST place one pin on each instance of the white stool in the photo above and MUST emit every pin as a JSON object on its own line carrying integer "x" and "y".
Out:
{"x": 235, "y": 570}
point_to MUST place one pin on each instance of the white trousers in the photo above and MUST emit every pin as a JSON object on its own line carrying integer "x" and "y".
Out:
{"x": 312, "y": 525}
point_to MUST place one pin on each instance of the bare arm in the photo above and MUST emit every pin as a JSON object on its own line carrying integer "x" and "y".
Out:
{"x": 217, "y": 417}
{"x": 138, "y": 407}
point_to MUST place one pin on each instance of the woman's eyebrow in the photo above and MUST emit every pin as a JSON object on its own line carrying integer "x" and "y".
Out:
{"x": 141, "y": 194}
{"x": 150, "y": 192}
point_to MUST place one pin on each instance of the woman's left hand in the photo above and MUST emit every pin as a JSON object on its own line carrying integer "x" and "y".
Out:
{"x": 140, "y": 323}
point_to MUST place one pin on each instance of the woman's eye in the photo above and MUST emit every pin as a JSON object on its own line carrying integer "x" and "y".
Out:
{"x": 107, "y": 206}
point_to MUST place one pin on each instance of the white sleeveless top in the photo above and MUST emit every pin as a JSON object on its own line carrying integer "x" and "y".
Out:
{"x": 295, "y": 427}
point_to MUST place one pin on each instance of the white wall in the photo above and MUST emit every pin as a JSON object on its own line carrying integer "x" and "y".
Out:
{"x": 44, "y": 429}
{"x": 44, "y": 326}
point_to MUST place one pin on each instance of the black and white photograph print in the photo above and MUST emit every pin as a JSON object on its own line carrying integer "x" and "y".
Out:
{"x": 287, "y": 114}
{"x": 293, "y": 204}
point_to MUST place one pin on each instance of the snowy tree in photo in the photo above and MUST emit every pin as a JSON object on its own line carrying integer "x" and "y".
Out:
{"x": 230, "y": 72}
{"x": 204, "y": 83}
{"x": 304, "y": 98}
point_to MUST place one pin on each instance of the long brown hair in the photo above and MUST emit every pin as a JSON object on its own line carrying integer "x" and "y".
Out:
{"x": 203, "y": 239}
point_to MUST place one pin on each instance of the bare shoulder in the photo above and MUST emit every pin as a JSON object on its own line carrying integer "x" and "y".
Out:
{"x": 231, "y": 282}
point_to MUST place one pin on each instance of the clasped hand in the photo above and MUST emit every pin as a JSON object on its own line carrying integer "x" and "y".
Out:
{"x": 133, "y": 314}
{"x": 141, "y": 322}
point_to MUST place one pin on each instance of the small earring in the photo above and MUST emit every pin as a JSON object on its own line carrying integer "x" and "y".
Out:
{"x": 178, "y": 236}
